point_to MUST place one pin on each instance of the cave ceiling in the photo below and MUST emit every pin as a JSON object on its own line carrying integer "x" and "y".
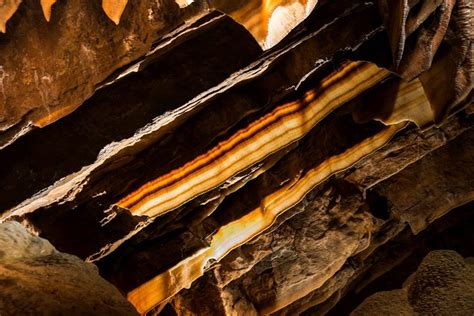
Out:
{"x": 238, "y": 157}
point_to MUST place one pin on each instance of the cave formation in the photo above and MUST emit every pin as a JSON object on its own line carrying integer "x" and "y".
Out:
{"x": 236, "y": 157}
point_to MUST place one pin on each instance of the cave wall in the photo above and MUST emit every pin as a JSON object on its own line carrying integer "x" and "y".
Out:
{"x": 242, "y": 157}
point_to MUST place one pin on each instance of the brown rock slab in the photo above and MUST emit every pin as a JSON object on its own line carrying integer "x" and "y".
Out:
{"x": 442, "y": 285}
{"x": 36, "y": 279}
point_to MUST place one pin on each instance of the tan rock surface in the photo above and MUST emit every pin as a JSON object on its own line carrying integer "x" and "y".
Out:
{"x": 36, "y": 279}
{"x": 442, "y": 285}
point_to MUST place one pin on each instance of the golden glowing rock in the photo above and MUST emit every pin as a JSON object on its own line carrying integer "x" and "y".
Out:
{"x": 270, "y": 20}
{"x": 274, "y": 131}
{"x": 207, "y": 175}
{"x": 184, "y": 3}
{"x": 404, "y": 102}
{"x": 395, "y": 102}
{"x": 7, "y": 9}
{"x": 46, "y": 5}
{"x": 284, "y": 125}
{"x": 242, "y": 230}
{"x": 114, "y": 9}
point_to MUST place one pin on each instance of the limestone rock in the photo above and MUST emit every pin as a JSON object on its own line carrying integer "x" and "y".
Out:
{"x": 239, "y": 157}
{"x": 442, "y": 285}
{"x": 36, "y": 279}
{"x": 48, "y": 69}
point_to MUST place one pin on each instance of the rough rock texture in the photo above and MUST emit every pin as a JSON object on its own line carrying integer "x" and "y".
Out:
{"x": 269, "y": 21}
{"x": 206, "y": 175}
{"x": 420, "y": 30}
{"x": 152, "y": 94}
{"x": 56, "y": 54}
{"x": 443, "y": 284}
{"x": 279, "y": 262}
{"x": 48, "y": 69}
{"x": 36, "y": 279}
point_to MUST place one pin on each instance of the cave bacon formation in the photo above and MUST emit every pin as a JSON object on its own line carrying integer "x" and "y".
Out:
{"x": 241, "y": 157}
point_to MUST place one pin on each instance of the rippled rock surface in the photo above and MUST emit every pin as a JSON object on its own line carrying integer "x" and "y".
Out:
{"x": 443, "y": 284}
{"x": 240, "y": 157}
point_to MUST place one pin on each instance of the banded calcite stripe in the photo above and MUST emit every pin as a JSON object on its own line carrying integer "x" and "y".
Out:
{"x": 397, "y": 101}
{"x": 284, "y": 125}
{"x": 7, "y": 9}
{"x": 236, "y": 233}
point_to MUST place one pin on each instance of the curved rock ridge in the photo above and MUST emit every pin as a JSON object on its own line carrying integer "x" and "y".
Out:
{"x": 37, "y": 279}
{"x": 230, "y": 236}
{"x": 292, "y": 268}
{"x": 238, "y": 232}
{"x": 403, "y": 18}
{"x": 418, "y": 32}
{"x": 284, "y": 125}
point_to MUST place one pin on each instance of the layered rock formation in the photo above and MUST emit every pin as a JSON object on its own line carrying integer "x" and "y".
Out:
{"x": 266, "y": 159}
